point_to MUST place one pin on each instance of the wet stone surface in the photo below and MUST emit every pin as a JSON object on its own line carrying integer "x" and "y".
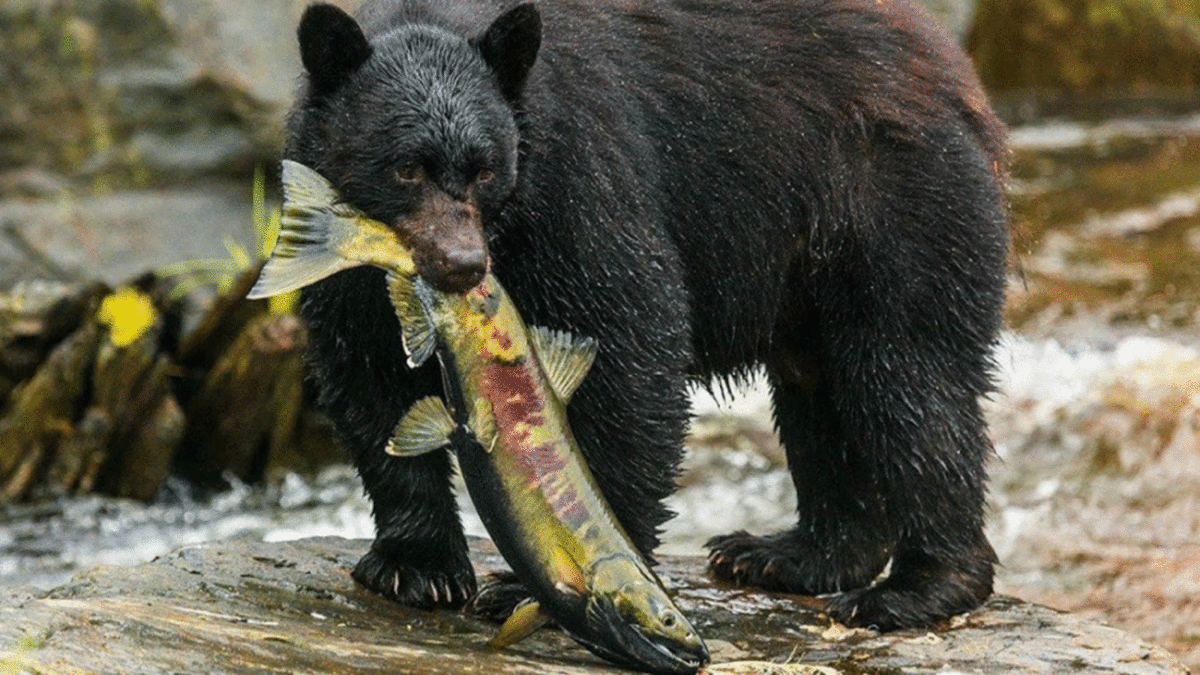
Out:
{"x": 253, "y": 607}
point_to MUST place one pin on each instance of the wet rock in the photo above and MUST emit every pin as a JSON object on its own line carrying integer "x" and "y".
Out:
{"x": 129, "y": 129}
{"x": 251, "y": 607}
{"x": 113, "y": 237}
{"x": 1107, "y": 217}
{"x": 136, "y": 92}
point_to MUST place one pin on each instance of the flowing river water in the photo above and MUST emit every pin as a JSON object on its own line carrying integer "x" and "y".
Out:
{"x": 1095, "y": 501}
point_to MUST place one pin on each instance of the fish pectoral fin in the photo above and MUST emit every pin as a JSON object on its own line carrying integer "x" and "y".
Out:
{"x": 425, "y": 427}
{"x": 565, "y": 358}
{"x": 416, "y": 329}
{"x": 524, "y": 621}
{"x": 302, "y": 254}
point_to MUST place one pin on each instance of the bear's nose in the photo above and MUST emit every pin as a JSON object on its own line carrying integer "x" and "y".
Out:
{"x": 458, "y": 270}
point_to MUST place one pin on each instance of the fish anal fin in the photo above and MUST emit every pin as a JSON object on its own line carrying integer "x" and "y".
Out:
{"x": 424, "y": 428}
{"x": 565, "y": 359}
{"x": 524, "y": 621}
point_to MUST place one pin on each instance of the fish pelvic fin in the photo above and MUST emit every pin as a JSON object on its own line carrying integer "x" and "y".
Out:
{"x": 526, "y": 619}
{"x": 569, "y": 576}
{"x": 303, "y": 254}
{"x": 565, "y": 358}
{"x": 425, "y": 427}
{"x": 416, "y": 328}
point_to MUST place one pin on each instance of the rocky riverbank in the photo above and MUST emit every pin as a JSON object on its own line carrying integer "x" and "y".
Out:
{"x": 253, "y": 607}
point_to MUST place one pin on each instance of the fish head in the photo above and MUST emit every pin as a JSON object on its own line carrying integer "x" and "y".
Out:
{"x": 413, "y": 122}
{"x": 630, "y": 620}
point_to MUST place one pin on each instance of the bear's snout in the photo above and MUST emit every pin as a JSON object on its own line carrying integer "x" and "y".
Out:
{"x": 446, "y": 237}
{"x": 457, "y": 269}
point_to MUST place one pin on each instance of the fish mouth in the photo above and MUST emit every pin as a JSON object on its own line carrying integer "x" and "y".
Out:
{"x": 615, "y": 639}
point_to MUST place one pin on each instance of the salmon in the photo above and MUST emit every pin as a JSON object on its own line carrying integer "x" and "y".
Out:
{"x": 503, "y": 414}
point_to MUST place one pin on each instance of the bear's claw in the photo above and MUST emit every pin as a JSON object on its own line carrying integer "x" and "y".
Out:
{"x": 497, "y": 597}
{"x": 786, "y": 562}
{"x": 919, "y": 591}
{"x": 412, "y": 586}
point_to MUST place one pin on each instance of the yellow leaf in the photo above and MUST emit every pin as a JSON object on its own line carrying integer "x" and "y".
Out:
{"x": 128, "y": 313}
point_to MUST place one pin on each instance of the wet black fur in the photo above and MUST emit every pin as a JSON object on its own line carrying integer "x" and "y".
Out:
{"x": 701, "y": 185}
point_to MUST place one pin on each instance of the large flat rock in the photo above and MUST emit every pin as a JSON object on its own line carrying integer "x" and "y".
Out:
{"x": 253, "y": 607}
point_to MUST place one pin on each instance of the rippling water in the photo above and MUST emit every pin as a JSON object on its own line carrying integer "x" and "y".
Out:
{"x": 734, "y": 479}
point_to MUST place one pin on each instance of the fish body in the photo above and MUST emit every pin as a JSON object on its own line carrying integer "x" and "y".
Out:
{"x": 504, "y": 415}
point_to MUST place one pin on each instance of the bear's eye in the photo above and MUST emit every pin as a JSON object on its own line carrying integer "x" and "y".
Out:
{"x": 410, "y": 175}
{"x": 485, "y": 176}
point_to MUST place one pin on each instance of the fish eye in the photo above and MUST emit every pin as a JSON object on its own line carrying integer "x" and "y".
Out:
{"x": 669, "y": 619}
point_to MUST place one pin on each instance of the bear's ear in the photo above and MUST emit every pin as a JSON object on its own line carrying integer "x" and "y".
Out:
{"x": 332, "y": 46}
{"x": 510, "y": 46}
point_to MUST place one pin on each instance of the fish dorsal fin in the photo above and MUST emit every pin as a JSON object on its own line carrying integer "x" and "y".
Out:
{"x": 302, "y": 254}
{"x": 416, "y": 329}
{"x": 569, "y": 575}
{"x": 425, "y": 427}
{"x": 565, "y": 358}
{"x": 523, "y": 622}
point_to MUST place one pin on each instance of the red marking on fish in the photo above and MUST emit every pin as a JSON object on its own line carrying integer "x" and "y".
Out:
{"x": 516, "y": 401}
{"x": 502, "y": 339}
{"x": 519, "y": 406}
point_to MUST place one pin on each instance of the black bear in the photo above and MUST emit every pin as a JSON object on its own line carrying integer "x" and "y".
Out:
{"x": 704, "y": 187}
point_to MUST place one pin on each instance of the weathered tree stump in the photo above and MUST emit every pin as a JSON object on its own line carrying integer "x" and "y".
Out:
{"x": 100, "y": 391}
{"x": 221, "y": 326}
{"x": 132, "y": 393}
{"x": 249, "y": 403}
{"x": 34, "y": 318}
{"x": 44, "y": 411}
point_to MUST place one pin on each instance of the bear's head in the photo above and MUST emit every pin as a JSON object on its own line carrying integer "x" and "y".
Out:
{"x": 416, "y": 127}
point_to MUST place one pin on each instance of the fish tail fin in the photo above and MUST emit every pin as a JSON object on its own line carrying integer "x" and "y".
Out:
{"x": 303, "y": 252}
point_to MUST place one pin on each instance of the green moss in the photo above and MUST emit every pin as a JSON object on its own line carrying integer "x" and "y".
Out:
{"x": 1136, "y": 46}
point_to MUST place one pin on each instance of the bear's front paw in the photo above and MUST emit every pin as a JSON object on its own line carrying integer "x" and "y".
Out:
{"x": 415, "y": 586}
{"x": 788, "y": 562}
{"x": 498, "y": 597}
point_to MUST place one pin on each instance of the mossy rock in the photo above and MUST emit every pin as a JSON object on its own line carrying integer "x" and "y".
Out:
{"x": 1147, "y": 48}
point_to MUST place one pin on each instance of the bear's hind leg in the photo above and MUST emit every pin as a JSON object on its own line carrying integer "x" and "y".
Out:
{"x": 880, "y": 358}
{"x": 870, "y": 491}
{"x": 841, "y": 541}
